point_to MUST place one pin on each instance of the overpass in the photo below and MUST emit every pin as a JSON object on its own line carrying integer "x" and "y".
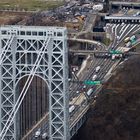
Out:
{"x": 121, "y": 4}
{"x": 136, "y": 3}
{"x": 125, "y": 19}
{"x": 87, "y": 52}
{"x": 93, "y": 42}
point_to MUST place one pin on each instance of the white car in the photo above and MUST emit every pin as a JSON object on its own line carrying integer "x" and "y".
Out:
{"x": 71, "y": 108}
{"x": 84, "y": 86}
{"x": 37, "y": 133}
{"x": 97, "y": 69}
{"x": 77, "y": 92}
{"x": 113, "y": 56}
{"x": 44, "y": 135}
{"x": 94, "y": 77}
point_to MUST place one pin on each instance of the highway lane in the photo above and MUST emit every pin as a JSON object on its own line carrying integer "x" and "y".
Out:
{"x": 77, "y": 86}
{"x": 122, "y": 34}
{"x": 109, "y": 64}
{"x": 122, "y": 31}
{"x": 87, "y": 75}
{"x": 36, "y": 127}
{"x": 83, "y": 106}
{"x": 100, "y": 76}
{"x": 130, "y": 29}
{"x": 138, "y": 30}
{"x": 104, "y": 68}
{"x": 96, "y": 62}
{"x": 105, "y": 64}
{"x": 128, "y": 32}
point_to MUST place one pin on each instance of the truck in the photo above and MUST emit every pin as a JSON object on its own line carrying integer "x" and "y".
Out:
{"x": 97, "y": 69}
{"x": 71, "y": 108}
{"x": 89, "y": 91}
{"x": 126, "y": 39}
{"x": 94, "y": 77}
{"x": 98, "y": 7}
{"x": 133, "y": 37}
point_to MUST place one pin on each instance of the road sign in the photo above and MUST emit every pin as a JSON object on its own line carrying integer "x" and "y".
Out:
{"x": 89, "y": 82}
{"x": 115, "y": 52}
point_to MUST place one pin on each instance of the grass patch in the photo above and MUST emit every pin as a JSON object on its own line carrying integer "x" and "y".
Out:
{"x": 29, "y": 5}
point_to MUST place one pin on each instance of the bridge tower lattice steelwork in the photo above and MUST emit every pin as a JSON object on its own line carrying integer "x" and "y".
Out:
{"x": 19, "y": 49}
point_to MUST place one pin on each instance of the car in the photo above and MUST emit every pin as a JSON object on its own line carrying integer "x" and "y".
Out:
{"x": 71, "y": 108}
{"x": 106, "y": 54}
{"x": 113, "y": 57}
{"x": 109, "y": 55}
{"x": 89, "y": 91}
{"x": 84, "y": 86}
{"x": 44, "y": 135}
{"x": 95, "y": 97}
{"x": 98, "y": 44}
{"x": 118, "y": 38}
{"x": 94, "y": 77}
{"x": 97, "y": 69}
{"x": 37, "y": 133}
{"x": 77, "y": 92}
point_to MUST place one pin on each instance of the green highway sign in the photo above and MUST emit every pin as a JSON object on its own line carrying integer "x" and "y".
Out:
{"x": 115, "y": 52}
{"x": 89, "y": 82}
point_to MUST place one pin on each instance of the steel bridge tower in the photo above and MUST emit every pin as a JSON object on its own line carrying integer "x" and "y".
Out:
{"x": 30, "y": 51}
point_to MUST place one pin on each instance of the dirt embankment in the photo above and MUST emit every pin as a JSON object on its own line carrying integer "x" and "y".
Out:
{"x": 116, "y": 115}
{"x": 12, "y": 18}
